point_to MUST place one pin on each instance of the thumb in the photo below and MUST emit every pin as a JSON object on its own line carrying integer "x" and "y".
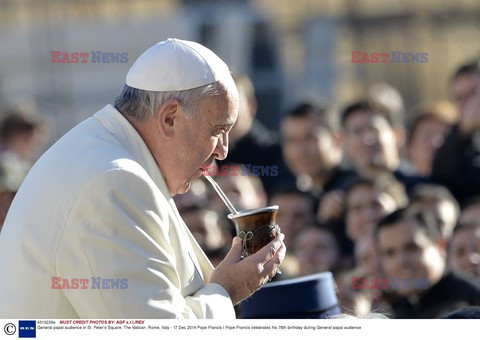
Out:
{"x": 235, "y": 253}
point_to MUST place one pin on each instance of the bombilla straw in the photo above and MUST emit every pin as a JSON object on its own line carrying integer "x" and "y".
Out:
{"x": 221, "y": 194}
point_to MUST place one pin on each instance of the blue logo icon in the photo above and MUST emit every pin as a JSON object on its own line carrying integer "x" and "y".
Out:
{"x": 27, "y": 329}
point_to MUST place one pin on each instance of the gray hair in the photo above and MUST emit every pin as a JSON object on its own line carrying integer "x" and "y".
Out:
{"x": 140, "y": 105}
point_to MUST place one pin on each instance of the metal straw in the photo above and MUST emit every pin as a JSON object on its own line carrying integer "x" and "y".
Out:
{"x": 225, "y": 200}
{"x": 221, "y": 194}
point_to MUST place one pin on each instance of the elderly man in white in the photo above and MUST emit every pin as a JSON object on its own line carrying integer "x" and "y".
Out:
{"x": 94, "y": 233}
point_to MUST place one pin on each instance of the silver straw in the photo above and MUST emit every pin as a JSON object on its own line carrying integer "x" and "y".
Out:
{"x": 221, "y": 194}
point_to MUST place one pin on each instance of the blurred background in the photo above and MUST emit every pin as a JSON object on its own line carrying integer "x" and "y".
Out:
{"x": 292, "y": 50}
{"x": 334, "y": 184}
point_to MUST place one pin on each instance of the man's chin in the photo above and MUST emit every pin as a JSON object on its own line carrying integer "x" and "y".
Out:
{"x": 183, "y": 188}
{"x": 186, "y": 185}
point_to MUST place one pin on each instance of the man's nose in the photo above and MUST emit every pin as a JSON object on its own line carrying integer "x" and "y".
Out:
{"x": 221, "y": 150}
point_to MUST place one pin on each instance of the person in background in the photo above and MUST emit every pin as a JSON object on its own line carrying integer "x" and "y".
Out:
{"x": 312, "y": 150}
{"x": 23, "y": 135}
{"x": 367, "y": 260}
{"x": 426, "y": 134}
{"x": 204, "y": 224}
{"x": 352, "y": 301}
{"x": 244, "y": 191}
{"x": 437, "y": 200}
{"x": 297, "y": 210}
{"x": 316, "y": 249}
{"x": 369, "y": 200}
{"x": 367, "y": 257}
{"x": 388, "y": 96}
{"x": 457, "y": 162}
{"x": 197, "y": 196}
{"x": 252, "y": 143}
{"x": 464, "y": 250}
{"x": 372, "y": 141}
{"x": 412, "y": 250}
{"x": 11, "y": 178}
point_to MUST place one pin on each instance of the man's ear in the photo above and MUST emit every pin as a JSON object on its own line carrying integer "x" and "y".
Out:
{"x": 167, "y": 117}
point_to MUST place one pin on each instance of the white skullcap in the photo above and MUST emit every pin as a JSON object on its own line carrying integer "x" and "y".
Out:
{"x": 176, "y": 65}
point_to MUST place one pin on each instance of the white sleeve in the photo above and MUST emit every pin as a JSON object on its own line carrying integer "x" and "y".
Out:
{"x": 119, "y": 228}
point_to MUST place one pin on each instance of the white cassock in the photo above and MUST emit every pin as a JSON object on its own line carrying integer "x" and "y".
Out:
{"x": 96, "y": 206}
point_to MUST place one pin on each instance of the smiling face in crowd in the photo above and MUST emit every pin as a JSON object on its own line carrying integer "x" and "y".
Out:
{"x": 309, "y": 148}
{"x": 365, "y": 206}
{"x": 464, "y": 251}
{"x": 370, "y": 142}
{"x": 406, "y": 252}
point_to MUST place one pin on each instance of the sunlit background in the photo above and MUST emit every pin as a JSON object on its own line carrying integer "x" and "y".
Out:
{"x": 292, "y": 49}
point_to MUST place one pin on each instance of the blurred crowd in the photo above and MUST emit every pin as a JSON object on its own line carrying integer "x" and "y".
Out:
{"x": 23, "y": 136}
{"x": 387, "y": 199}
{"x": 371, "y": 192}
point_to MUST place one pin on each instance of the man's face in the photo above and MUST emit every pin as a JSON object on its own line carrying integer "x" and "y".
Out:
{"x": 366, "y": 257}
{"x": 442, "y": 209}
{"x": 364, "y": 208}
{"x": 307, "y": 147}
{"x": 407, "y": 253}
{"x": 203, "y": 225}
{"x": 370, "y": 142}
{"x": 463, "y": 87}
{"x": 202, "y": 138}
{"x": 464, "y": 252}
{"x": 316, "y": 251}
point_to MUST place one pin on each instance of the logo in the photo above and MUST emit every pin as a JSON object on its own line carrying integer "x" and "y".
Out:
{"x": 27, "y": 329}
{"x": 399, "y": 57}
{"x": 97, "y": 283}
{"x": 94, "y": 57}
{"x": 240, "y": 170}
{"x": 10, "y": 329}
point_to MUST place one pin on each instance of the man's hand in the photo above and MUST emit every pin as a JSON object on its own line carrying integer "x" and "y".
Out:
{"x": 241, "y": 278}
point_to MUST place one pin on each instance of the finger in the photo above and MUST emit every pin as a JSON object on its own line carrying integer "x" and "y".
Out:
{"x": 268, "y": 252}
{"x": 235, "y": 253}
{"x": 270, "y": 267}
